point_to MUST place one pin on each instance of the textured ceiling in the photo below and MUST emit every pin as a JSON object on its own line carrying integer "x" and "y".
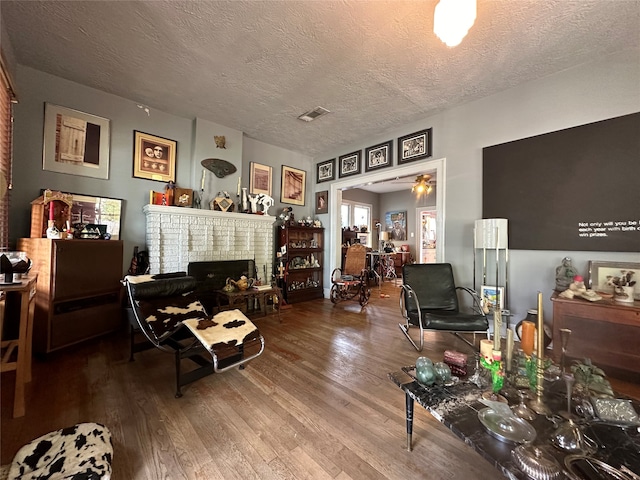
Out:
{"x": 256, "y": 65}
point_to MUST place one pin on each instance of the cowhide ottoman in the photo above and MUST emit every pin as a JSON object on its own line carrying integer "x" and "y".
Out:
{"x": 81, "y": 452}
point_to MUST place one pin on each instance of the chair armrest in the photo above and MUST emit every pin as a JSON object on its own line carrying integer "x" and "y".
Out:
{"x": 476, "y": 306}
{"x": 408, "y": 292}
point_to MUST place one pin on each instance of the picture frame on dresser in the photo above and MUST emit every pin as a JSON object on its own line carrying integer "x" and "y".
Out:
{"x": 75, "y": 142}
{"x": 601, "y": 274}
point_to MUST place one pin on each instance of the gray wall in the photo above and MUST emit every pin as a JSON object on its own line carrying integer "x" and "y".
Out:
{"x": 195, "y": 142}
{"x": 605, "y": 88}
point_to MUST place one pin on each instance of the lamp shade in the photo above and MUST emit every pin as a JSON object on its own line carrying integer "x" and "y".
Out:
{"x": 384, "y": 236}
{"x": 492, "y": 233}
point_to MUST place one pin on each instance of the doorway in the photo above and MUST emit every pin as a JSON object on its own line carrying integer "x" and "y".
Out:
{"x": 426, "y": 219}
{"x": 438, "y": 167}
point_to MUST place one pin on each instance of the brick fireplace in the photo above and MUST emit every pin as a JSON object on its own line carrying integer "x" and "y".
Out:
{"x": 176, "y": 236}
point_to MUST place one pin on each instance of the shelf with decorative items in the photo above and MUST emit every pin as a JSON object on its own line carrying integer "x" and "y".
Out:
{"x": 300, "y": 261}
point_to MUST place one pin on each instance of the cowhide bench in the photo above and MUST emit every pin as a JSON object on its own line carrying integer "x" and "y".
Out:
{"x": 165, "y": 308}
{"x": 81, "y": 452}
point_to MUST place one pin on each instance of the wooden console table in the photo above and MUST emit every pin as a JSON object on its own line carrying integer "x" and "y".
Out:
{"x": 605, "y": 331}
{"x": 25, "y": 291}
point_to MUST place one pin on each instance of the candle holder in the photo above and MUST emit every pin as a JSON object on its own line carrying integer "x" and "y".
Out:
{"x": 495, "y": 366}
{"x": 537, "y": 404}
{"x": 565, "y": 333}
{"x": 478, "y": 378}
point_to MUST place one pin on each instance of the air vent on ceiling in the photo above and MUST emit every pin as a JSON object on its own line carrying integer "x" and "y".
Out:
{"x": 313, "y": 114}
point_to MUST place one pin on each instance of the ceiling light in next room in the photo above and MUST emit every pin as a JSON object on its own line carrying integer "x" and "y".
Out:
{"x": 313, "y": 114}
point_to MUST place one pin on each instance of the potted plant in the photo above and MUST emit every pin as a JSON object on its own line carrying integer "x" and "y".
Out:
{"x": 590, "y": 378}
{"x": 623, "y": 286}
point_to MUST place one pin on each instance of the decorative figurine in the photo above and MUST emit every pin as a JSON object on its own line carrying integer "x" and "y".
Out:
{"x": 565, "y": 274}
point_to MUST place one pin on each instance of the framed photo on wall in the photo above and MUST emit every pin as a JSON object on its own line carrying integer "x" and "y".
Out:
{"x": 76, "y": 143}
{"x": 260, "y": 179}
{"x": 414, "y": 146}
{"x": 396, "y": 225}
{"x": 326, "y": 171}
{"x": 322, "y": 202}
{"x": 293, "y": 185}
{"x": 378, "y": 156}
{"x": 350, "y": 164}
{"x": 154, "y": 158}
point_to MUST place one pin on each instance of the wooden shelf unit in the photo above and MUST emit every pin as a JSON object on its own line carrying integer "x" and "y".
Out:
{"x": 303, "y": 243}
{"x": 78, "y": 293}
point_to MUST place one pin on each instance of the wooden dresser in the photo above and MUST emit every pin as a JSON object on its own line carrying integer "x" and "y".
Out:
{"x": 607, "y": 332}
{"x": 78, "y": 292}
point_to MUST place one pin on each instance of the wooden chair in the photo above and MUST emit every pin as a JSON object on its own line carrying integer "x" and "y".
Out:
{"x": 352, "y": 281}
{"x": 429, "y": 301}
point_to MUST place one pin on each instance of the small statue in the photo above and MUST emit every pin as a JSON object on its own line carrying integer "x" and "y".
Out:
{"x": 220, "y": 140}
{"x": 253, "y": 200}
{"x": 565, "y": 274}
{"x": 266, "y": 201}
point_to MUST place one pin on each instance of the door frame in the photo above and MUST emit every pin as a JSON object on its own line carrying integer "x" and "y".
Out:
{"x": 335, "y": 200}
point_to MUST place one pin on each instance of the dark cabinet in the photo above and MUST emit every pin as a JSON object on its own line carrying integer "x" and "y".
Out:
{"x": 400, "y": 259}
{"x": 78, "y": 291}
{"x": 302, "y": 262}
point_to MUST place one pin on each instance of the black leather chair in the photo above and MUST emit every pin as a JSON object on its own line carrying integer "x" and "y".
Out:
{"x": 169, "y": 314}
{"x": 429, "y": 301}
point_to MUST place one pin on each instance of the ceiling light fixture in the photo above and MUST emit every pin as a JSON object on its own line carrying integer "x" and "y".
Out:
{"x": 453, "y": 19}
{"x": 423, "y": 185}
{"x": 313, "y": 114}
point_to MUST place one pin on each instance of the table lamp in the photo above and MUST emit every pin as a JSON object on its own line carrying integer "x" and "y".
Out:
{"x": 384, "y": 237}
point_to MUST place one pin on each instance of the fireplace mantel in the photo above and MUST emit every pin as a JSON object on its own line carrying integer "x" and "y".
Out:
{"x": 177, "y": 235}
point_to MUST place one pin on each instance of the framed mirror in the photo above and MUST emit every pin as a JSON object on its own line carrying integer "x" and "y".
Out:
{"x": 100, "y": 211}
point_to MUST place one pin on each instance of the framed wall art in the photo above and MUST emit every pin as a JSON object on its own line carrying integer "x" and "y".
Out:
{"x": 154, "y": 158}
{"x": 326, "y": 171}
{"x": 415, "y": 146}
{"x": 604, "y": 275}
{"x": 378, "y": 156}
{"x": 293, "y": 185}
{"x": 322, "y": 202}
{"x": 260, "y": 179}
{"x": 492, "y": 297}
{"x": 350, "y": 164}
{"x": 76, "y": 143}
{"x": 396, "y": 225}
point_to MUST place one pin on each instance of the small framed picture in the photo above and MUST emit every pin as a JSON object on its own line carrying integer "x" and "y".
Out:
{"x": 154, "y": 158}
{"x": 293, "y": 185}
{"x": 75, "y": 143}
{"x": 260, "y": 179}
{"x": 326, "y": 171}
{"x": 415, "y": 146}
{"x": 350, "y": 164}
{"x": 492, "y": 297}
{"x": 603, "y": 277}
{"x": 322, "y": 202}
{"x": 378, "y": 156}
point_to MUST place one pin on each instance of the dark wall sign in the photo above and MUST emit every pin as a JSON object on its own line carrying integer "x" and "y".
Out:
{"x": 574, "y": 189}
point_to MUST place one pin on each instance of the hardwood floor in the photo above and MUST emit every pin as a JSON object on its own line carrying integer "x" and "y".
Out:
{"x": 317, "y": 404}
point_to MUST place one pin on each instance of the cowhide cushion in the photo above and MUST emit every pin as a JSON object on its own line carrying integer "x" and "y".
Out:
{"x": 225, "y": 330}
{"x": 164, "y": 315}
{"x": 81, "y": 452}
